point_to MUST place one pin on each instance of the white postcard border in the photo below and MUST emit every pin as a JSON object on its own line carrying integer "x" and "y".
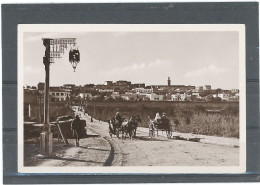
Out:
{"x": 136, "y": 28}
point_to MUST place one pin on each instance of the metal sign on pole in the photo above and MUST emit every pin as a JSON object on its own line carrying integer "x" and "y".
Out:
{"x": 54, "y": 48}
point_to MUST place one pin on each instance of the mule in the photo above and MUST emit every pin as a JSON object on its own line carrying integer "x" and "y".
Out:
{"x": 114, "y": 128}
{"x": 125, "y": 128}
{"x": 129, "y": 127}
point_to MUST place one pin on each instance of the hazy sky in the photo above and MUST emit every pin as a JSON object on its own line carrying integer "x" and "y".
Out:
{"x": 189, "y": 58}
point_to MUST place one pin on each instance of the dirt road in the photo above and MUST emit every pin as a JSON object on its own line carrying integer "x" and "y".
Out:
{"x": 161, "y": 151}
{"x": 101, "y": 150}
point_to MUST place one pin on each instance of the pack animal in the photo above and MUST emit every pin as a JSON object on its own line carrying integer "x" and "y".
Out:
{"x": 114, "y": 127}
{"x": 129, "y": 127}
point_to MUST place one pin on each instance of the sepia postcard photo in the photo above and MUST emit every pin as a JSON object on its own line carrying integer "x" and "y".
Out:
{"x": 131, "y": 98}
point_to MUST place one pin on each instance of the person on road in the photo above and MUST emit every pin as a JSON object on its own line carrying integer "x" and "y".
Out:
{"x": 157, "y": 117}
{"x": 76, "y": 129}
{"x": 118, "y": 118}
{"x": 113, "y": 121}
{"x": 165, "y": 118}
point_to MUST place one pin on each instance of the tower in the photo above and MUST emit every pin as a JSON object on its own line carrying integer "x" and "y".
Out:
{"x": 169, "y": 81}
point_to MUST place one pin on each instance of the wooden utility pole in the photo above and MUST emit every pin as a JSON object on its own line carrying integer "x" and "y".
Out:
{"x": 46, "y": 135}
{"x": 53, "y": 49}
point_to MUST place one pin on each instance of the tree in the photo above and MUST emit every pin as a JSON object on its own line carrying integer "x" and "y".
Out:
{"x": 217, "y": 99}
{"x": 109, "y": 99}
{"x": 204, "y": 93}
{"x": 98, "y": 98}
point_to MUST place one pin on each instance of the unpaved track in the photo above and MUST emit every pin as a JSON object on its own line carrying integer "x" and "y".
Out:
{"x": 161, "y": 151}
{"x": 93, "y": 151}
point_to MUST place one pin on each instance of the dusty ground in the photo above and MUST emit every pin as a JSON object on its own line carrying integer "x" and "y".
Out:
{"x": 144, "y": 151}
{"x": 101, "y": 150}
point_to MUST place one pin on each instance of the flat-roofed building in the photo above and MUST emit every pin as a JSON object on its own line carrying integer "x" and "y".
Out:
{"x": 199, "y": 88}
{"x": 129, "y": 96}
{"x": 59, "y": 94}
{"x": 138, "y": 85}
{"x": 142, "y": 90}
{"x": 234, "y": 90}
{"x": 178, "y": 97}
{"x": 207, "y": 87}
{"x": 115, "y": 95}
{"x": 122, "y": 83}
{"x": 85, "y": 95}
{"x": 109, "y": 83}
{"x": 106, "y": 90}
{"x": 154, "y": 97}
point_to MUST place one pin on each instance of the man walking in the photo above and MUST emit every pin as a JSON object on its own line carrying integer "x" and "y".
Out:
{"x": 76, "y": 129}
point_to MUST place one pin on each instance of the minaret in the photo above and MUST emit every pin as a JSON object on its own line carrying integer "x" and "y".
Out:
{"x": 169, "y": 82}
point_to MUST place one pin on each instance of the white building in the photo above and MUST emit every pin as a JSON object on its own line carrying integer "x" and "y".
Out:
{"x": 222, "y": 96}
{"x": 178, "y": 97}
{"x": 154, "y": 97}
{"x": 142, "y": 90}
{"x": 175, "y": 97}
{"x": 198, "y": 88}
{"x": 85, "y": 95}
{"x": 58, "y": 94}
{"x": 129, "y": 96}
{"x": 115, "y": 95}
{"x": 234, "y": 98}
{"x": 234, "y": 90}
{"x": 108, "y": 83}
{"x": 68, "y": 87}
{"x": 197, "y": 94}
{"x": 106, "y": 90}
{"x": 207, "y": 87}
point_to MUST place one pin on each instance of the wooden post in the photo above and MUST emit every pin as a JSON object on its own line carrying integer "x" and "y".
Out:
{"x": 29, "y": 110}
{"x": 63, "y": 137}
{"x": 46, "y": 140}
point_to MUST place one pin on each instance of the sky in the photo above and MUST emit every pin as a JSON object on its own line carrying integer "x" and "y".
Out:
{"x": 188, "y": 58}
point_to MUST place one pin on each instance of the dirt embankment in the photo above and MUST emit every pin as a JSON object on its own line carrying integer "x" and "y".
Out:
{"x": 37, "y": 111}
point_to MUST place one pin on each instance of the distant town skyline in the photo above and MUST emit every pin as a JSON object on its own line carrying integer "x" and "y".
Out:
{"x": 188, "y": 58}
{"x": 171, "y": 85}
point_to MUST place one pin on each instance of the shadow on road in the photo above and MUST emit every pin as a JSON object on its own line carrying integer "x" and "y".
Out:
{"x": 89, "y": 148}
{"x": 147, "y": 138}
{"x": 187, "y": 139}
{"x": 110, "y": 157}
{"x": 76, "y": 160}
{"x": 93, "y": 135}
